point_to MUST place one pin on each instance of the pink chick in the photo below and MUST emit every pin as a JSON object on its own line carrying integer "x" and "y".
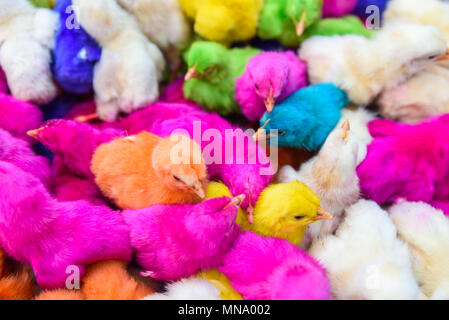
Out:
{"x": 177, "y": 241}
{"x": 3, "y": 82}
{"x": 67, "y": 186}
{"x": 19, "y": 153}
{"x": 56, "y": 238}
{"x": 338, "y": 8}
{"x": 263, "y": 268}
{"x": 74, "y": 142}
{"x": 18, "y": 116}
{"x": 269, "y": 78}
{"x": 407, "y": 162}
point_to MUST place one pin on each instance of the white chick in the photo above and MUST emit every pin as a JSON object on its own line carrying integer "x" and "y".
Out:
{"x": 164, "y": 23}
{"x": 127, "y": 76}
{"x": 423, "y": 96}
{"x": 365, "y": 260}
{"x": 332, "y": 173}
{"x": 188, "y": 289}
{"x": 365, "y": 67}
{"x": 426, "y": 230}
{"x": 26, "y": 40}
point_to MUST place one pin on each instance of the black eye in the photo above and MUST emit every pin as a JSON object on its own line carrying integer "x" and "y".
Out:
{"x": 432, "y": 57}
{"x": 299, "y": 217}
{"x": 256, "y": 86}
{"x": 176, "y": 178}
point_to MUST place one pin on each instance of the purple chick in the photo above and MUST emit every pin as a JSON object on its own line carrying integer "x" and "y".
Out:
{"x": 263, "y": 268}
{"x": 18, "y": 116}
{"x": 177, "y": 241}
{"x": 269, "y": 78}
{"x": 19, "y": 153}
{"x": 55, "y": 236}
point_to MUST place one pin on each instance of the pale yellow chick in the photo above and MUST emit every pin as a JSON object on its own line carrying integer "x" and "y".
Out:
{"x": 222, "y": 282}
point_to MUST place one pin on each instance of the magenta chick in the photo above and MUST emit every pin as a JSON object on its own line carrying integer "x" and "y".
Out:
{"x": 177, "y": 241}
{"x": 55, "y": 236}
{"x": 262, "y": 268}
{"x": 269, "y": 78}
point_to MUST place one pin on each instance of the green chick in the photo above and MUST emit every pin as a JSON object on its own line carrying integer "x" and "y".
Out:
{"x": 213, "y": 69}
{"x": 286, "y": 20}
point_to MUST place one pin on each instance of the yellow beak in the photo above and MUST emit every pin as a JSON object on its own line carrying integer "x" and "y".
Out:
{"x": 322, "y": 215}
{"x": 192, "y": 73}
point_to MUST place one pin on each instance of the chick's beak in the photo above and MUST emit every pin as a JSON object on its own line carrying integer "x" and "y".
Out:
{"x": 300, "y": 27}
{"x": 346, "y": 127}
{"x": 269, "y": 101}
{"x": 322, "y": 215}
{"x": 199, "y": 192}
{"x": 236, "y": 201}
{"x": 192, "y": 73}
{"x": 445, "y": 57}
{"x": 88, "y": 117}
{"x": 35, "y": 133}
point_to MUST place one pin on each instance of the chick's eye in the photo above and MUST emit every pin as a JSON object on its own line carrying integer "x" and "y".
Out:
{"x": 432, "y": 57}
{"x": 299, "y": 217}
{"x": 256, "y": 86}
{"x": 176, "y": 178}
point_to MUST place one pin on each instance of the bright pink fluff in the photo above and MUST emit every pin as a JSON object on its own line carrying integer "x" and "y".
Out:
{"x": 176, "y": 241}
{"x": 18, "y": 117}
{"x": 263, "y": 268}
{"x": 19, "y": 153}
{"x": 281, "y": 72}
{"x": 338, "y": 8}
{"x": 407, "y": 162}
{"x": 51, "y": 235}
{"x": 3, "y": 82}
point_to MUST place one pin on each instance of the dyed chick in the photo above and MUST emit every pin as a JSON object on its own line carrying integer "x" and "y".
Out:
{"x": 364, "y": 259}
{"x": 104, "y": 280}
{"x": 338, "y": 8}
{"x": 213, "y": 70}
{"x": 177, "y": 241}
{"x": 426, "y": 230}
{"x": 365, "y": 67}
{"x": 127, "y": 76}
{"x": 272, "y": 269}
{"x": 269, "y": 78}
{"x": 411, "y": 159}
{"x": 222, "y": 282}
{"x": 51, "y": 235}
{"x": 187, "y": 289}
{"x": 74, "y": 142}
{"x": 282, "y": 210}
{"x": 165, "y": 24}
{"x": 418, "y": 99}
{"x": 13, "y": 285}
{"x": 224, "y": 21}
{"x": 42, "y": 3}
{"x": 306, "y": 118}
{"x": 332, "y": 173}
{"x": 27, "y": 38}
{"x": 286, "y": 20}
{"x": 142, "y": 170}
{"x": 75, "y": 53}
{"x": 18, "y": 117}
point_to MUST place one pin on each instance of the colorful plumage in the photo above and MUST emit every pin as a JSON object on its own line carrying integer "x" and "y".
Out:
{"x": 269, "y": 78}
{"x": 224, "y": 21}
{"x": 426, "y": 230}
{"x": 213, "y": 70}
{"x": 14, "y": 284}
{"x": 364, "y": 259}
{"x": 272, "y": 269}
{"x": 306, "y": 118}
{"x": 222, "y": 282}
{"x": 411, "y": 159}
{"x": 365, "y": 67}
{"x": 142, "y": 170}
{"x": 75, "y": 53}
{"x": 177, "y": 241}
{"x": 50, "y": 235}
{"x": 286, "y": 20}
{"x": 42, "y": 3}
{"x": 338, "y": 8}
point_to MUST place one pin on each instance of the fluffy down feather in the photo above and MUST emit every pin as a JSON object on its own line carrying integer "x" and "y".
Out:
{"x": 364, "y": 259}
{"x": 426, "y": 230}
{"x": 188, "y": 289}
{"x": 27, "y": 37}
{"x": 338, "y": 8}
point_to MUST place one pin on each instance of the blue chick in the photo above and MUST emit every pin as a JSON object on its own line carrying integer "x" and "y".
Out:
{"x": 75, "y": 52}
{"x": 306, "y": 118}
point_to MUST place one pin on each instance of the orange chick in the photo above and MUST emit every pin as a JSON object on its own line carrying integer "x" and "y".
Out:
{"x": 15, "y": 286}
{"x": 142, "y": 170}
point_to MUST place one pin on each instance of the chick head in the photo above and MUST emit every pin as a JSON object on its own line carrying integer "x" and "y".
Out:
{"x": 304, "y": 13}
{"x": 284, "y": 210}
{"x": 268, "y": 72}
{"x": 206, "y": 61}
{"x": 414, "y": 46}
{"x": 178, "y": 162}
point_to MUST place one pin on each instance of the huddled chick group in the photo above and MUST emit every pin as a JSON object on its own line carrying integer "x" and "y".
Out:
{"x": 116, "y": 157}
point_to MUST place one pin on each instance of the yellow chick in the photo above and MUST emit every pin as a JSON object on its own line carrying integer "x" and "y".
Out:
{"x": 283, "y": 210}
{"x": 224, "y": 21}
{"x": 222, "y": 283}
